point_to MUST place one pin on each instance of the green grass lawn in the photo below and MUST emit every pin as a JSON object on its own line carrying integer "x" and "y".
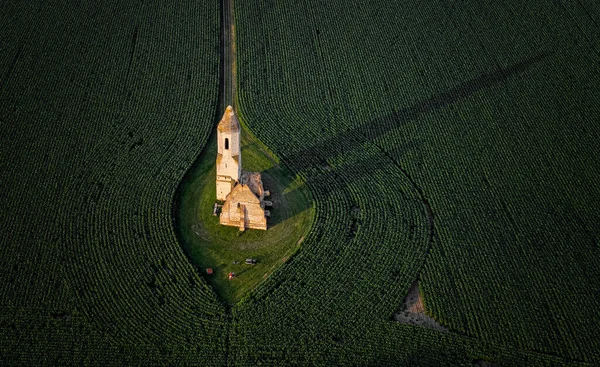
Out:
{"x": 211, "y": 245}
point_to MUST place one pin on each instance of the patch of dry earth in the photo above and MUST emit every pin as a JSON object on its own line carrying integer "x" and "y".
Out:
{"x": 413, "y": 311}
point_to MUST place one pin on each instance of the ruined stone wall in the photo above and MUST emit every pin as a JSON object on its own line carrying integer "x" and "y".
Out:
{"x": 255, "y": 216}
{"x": 224, "y": 186}
{"x": 241, "y": 198}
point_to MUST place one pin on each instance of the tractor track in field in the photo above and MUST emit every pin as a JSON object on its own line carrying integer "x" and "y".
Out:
{"x": 12, "y": 65}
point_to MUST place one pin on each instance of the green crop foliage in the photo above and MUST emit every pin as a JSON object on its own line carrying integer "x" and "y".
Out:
{"x": 103, "y": 108}
{"x": 453, "y": 142}
{"x": 450, "y": 142}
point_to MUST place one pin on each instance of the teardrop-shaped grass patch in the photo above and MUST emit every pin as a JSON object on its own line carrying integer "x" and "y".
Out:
{"x": 221, "y": 250}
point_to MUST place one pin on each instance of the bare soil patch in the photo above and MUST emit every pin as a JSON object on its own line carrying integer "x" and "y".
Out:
{"x": 413, "y": 311}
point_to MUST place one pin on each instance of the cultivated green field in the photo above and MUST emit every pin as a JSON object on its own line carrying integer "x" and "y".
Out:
{"x": 450, "y": 142}
{"x": 104, "y": 106}
{"x": 467, "y": 137}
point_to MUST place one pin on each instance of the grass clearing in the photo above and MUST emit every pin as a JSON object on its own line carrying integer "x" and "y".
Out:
{"x": 224, "y": 249}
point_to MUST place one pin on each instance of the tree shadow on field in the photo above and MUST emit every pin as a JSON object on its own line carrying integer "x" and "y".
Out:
{"x": 312, "y": 161}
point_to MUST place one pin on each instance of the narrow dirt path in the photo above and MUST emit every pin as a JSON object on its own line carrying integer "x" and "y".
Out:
{"x": 228, "y": 67}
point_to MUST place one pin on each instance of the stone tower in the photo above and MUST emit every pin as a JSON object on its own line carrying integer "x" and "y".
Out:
{"x": 229, "y": 157}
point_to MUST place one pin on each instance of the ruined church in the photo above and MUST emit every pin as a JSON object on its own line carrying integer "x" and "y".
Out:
{"x": 242, "y": 191}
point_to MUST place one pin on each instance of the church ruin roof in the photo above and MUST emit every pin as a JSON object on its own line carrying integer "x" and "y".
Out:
{"x": 242, "y": 194}
{"x": 229, "y": 121}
